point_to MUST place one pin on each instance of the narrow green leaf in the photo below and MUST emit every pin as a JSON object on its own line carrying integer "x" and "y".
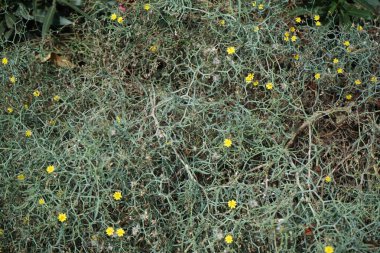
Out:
{"x": 75, "y": 8}
{"x": 48, "y": 19}
{"x": 10, "y": 20}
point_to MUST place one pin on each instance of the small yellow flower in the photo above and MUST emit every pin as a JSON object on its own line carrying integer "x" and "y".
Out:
{"x": 286, "y": 38}
{"x": 36, "y": 93}
{"x": 254, "y": 4}
{"x": 21, "y": 177}
{"x": 294, "y": 38}
{"x": 62, "y": 217}
{"x": 316, "y": 17}
{"x": 349, "y": 50}
{"x": 153, "y": 49}
{"x": 348, "y": 97}
{"x": 222, "y": 22}
{"x": 56, "y": 98}
{"x": 318, "y": 23}
{"x": 26, "y": 106}
{"x": 327, "y": 179}
{"x": 256, "y": 83}
{"x": 261, "y": 7}
{"x": 118, "y": 119}
{"x": 9, "y": 109}
{"x": 346, "y": 43}
{"x": 249, "y": 78}
{"x": 41, "y": 201}
{"x": 4, "y": 61}
{"x": 339, "y": 71}
{"x": 286, "y": 34}
{"x": 110, "y": 231}
{"x": 228, "y": 239}
{"x": 231, "y": 50}
{"x": 359, "y": 28}
{"x": 296, "y": 57}
{"x": 120, "y": 20}
{"x": 120, "y": 232}
{"x": 28, "y": 133}
{"x": 232, "y": 204}
{"x": 373, "y": 79}
{"x": 298, "y": 20}
{"x": 50, "y": 169}
{"x": 335, "y": 61}
{"x": 329, "y": 249}
{"x": 113, "y": 16}
{"x": 358, "y": 82}
{"x": 147, "y": 7}
{"x": 12, "y": 79}
{"x": 292, "y": 29}
{"x": 317, "y": 76}
{"x": 227, "y": 143}
{"x": 269, "y": 86}
{"x": 117, "y": 195}
{"x": 256, "y": 28}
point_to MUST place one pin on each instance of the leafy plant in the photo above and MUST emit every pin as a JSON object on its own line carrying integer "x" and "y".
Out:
{"x": 346, "y": 10}
{"x": 46, "y": 12}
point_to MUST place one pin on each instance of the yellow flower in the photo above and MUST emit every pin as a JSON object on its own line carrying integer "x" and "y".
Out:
{"x": 294, "y": 38}
{"x": 113, "y": 16}
{"x": 222, "y": 22}
{"x": 318, "y": 23}
{"x": 110, "y": 231}
{"x": 256, "y": 28}
{"x": 56, "y": 98}
{"x": 21, "y": 177}
{"x": 232, "y": 204}
{"x": 153, "y": 49}
{"x": 358, "y": 82}
{"x": 50, "y": 169}
{"x": 62, "y": 217}
{"x": 41, "y": 201}
{"x": 117, "y": 195}
{"x": 286, "y": 38}
{"x": 4, "y": 61}
{"x": 120, "y": 20}
{"x": 292, "y": 29}
{"x": 296, "y": 57}
{"x": 335, "y": 61}
{"x": 316, "y": 17}
{"x": 255, "y": 83}
{"x": 317, "y": 76}
{"x": 254, "y": 4}
{"x": 120, "y": 232}
{"x": 147, "y": 7}
{"x": 269, "y": 86}
{"x": 373, "y": 79}
{"x": 12, "y": 79}
{"x": 346, "y": 43}
{"x": 359, "y": 28}
{"x": 261, "y": 6}
{"x": 9, "y": 109}
{"x": 228, "y": 239}
{"x": 227, "y": 143}
{"x": 327, "y": 179}
{"x": 118, "y": 119}
{"x": 329, "y": 249}
{"x": 298, "y": 20}
{"x": 36, "y": 93}
{"x": 231, "y": 50}
{"x": 339, "y": 71}
{"x": 286, "y": 34}
{"x": 249, "y": 78}
{"x": 349, "y": 50}
{"x": 28, "y": 133}
{"x": 26, "y": 106}
{"x": 348, "y": 96}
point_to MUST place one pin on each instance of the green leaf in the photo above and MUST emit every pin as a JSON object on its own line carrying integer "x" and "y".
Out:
{"x": 2, "y": 27}
{"x": 299, "y": 11}
{"x": 10, "y": 20}
{"x": 355, "y": 12}
{"x": 372, "y": 5}
{"x": 75, "y": 8}
{"x": 48, "y": 19}
{"x": 23, "y": 12}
